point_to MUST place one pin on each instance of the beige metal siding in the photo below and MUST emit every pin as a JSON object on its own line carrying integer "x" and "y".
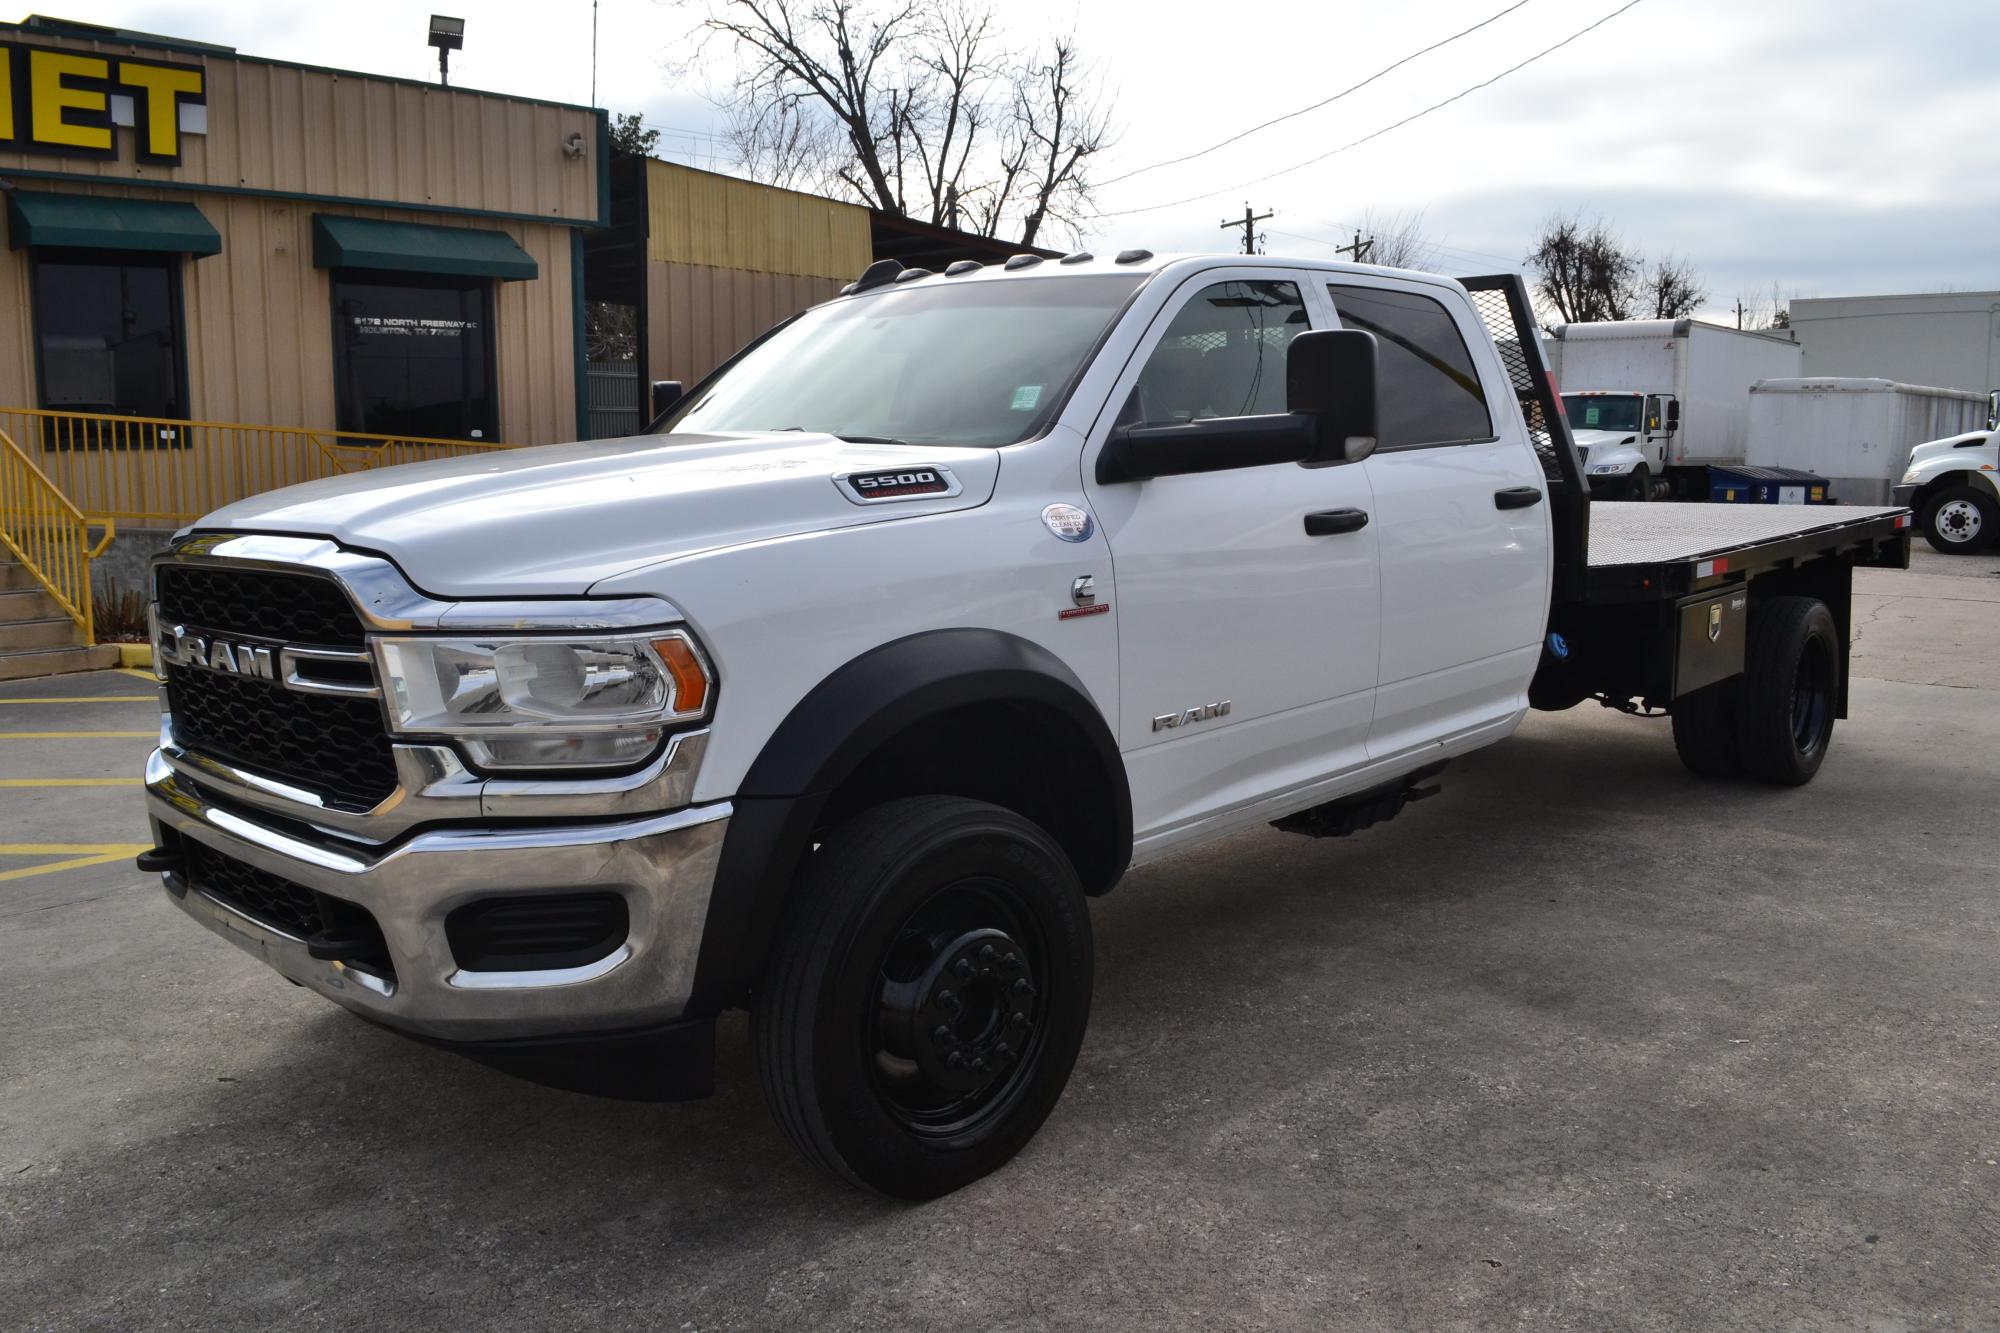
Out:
{"x": 352, "y": 136}
{"x": 698, "y": 317}
{"x": 697, "y": 217}
{"x": 260, "y": 321}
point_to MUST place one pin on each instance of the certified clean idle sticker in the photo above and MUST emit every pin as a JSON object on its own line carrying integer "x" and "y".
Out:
{"x": 1069, "y": 523}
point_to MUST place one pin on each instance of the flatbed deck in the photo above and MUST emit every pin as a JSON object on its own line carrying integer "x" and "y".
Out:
{"x": 1627, "y": 533}
{"x": 1654, "y": 552}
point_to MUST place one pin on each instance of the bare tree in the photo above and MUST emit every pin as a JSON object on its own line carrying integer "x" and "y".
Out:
{"x": 1671, "y": 287}
{"x": 910, "y": 108}
{"x": 1582, "y": 270}
{"x": 1759, "y": 312}
{"x": 1397, "y": 240}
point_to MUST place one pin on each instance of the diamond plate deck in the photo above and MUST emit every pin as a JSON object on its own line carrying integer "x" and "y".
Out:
{"x": 1627, "y": 533}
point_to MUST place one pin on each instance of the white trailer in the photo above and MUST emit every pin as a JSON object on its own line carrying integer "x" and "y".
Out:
{"x": 1857, "y": 433}
{"x": 1654, "y": 402}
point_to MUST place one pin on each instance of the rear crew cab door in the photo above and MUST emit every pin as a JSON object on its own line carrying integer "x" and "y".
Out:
{"x": 1465, "y": 573}
{"x": 1222, "y": 597}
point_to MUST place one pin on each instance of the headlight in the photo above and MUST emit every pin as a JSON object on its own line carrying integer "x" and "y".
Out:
{"x": 550, "y": 702}
{"x": 1909, "y": 478}
{"x": 1602, "y": 468}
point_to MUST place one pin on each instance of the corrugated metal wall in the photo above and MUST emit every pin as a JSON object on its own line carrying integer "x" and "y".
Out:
{"x": 313, "y": 131}
{"x": 697, "y": 317}
{"x": 697, "y": 217}
{"x": 727, "y": 259}
{"x": 260, "y": 321}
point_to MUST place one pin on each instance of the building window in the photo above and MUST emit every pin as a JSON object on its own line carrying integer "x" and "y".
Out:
{"x": 109, "y": 337}
{"x": 413, "y": 355}
{"x": 1429, "y": 391}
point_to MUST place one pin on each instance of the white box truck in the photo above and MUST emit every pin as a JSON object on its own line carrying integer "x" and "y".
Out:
{"x": 1857, "y": 433}
{"x": 1654, "y": 402}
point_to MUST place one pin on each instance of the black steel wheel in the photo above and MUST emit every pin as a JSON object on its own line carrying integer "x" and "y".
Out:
{"x": 1790, "y": 690}
{"x": 927, "y": 995}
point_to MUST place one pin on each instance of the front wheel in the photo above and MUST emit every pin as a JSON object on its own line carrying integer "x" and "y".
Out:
{"x": 1640, "y": 487}
{"x": 1789, "y": 691}
{"x": 927, "y": 995}
{"x": 1961, "y": 520}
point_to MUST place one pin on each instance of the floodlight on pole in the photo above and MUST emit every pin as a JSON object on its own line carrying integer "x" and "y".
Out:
{"x": 447, "y": 35}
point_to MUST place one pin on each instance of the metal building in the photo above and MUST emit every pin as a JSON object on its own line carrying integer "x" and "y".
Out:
{"x": 1950, "y": 340}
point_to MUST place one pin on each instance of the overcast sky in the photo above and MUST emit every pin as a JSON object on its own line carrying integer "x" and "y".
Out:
{"x": 1832, "y": 147}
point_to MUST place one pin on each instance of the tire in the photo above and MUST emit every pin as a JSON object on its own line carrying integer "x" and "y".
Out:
{"x": 1961, "y": 520}
{"x": 1640, "y": 487}
{"x": 1790, "y": 685}
{"x": 923, "y": 936}
{"x": 1705, "y": 731}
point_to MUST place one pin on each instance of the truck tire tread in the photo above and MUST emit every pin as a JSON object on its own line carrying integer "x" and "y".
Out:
{"x": 1782, "y": 630}
{"x": 1704, "y": 723}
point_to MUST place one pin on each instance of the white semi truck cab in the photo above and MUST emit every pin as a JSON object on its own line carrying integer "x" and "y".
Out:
{"x": 1622, "y": 438}
{"x": 1953, "y": 485}
{"x": 839, "y": 693}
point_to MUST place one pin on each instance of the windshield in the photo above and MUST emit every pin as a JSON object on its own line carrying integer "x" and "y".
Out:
{"x": 980, "y": 363}
{"x": 1589, "y": 411}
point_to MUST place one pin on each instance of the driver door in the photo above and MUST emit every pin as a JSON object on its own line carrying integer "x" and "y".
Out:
{"x": 1247, "y": 646}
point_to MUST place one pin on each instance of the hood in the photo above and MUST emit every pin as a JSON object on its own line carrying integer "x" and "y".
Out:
{"x": 556, "y": 519}
{"x": 1923, "y": 453}
{"x": 1599, "y": 440}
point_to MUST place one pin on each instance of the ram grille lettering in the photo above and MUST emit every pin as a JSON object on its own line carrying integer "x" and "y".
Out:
{"x": 220, "y": 655}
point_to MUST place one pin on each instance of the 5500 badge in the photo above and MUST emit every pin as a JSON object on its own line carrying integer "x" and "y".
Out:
{"x": 921, "y": 482}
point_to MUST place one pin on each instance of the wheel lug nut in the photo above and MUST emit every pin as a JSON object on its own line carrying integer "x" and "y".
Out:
{"x": 1021, "y": 987}
{"x": 954, "y": 1060}
{"x": 963, "y": 967}
{"x": 1012, "y": 962}
{"x": 1020, "y": 1020}
{"x": 940, "y": 1033}
{"x": 986, "y": 953}
{"x": 946, "y": 1001}
{"x": 1003, "y": 1050}
{"x": 979, "y": 1065}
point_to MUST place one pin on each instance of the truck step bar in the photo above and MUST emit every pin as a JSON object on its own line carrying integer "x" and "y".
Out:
{"x": 1377, "y": 805}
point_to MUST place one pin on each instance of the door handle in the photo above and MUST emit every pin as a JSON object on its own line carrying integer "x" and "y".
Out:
{"x": 1517, "y": 497}
{"x": 1328, "y": 522}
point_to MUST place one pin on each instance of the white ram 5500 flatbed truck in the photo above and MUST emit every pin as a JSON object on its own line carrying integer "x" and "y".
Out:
{"x": 915, "y": 625}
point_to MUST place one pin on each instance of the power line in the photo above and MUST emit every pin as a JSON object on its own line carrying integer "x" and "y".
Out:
{"x": 1292, "y": 115}
{"x": 1435, "y": 106}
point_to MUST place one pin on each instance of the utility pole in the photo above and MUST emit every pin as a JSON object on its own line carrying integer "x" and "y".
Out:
{"x": 1249, "y": 223}
{"x": 1739, "y": 314}
{"x": 593, "y": 53}
{"x": 1360, "y": 249}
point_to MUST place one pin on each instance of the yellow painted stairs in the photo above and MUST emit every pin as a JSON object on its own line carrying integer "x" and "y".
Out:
{"x": 38, "y": 637}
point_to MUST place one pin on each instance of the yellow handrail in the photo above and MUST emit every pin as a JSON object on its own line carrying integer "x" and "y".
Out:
{"x": 48, "y": 534}
{"x": 165, "y": 472}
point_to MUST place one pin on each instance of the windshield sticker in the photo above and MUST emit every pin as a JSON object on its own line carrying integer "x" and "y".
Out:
{"x": 1590, "y": 416}
{"x": 1026, "y": 397}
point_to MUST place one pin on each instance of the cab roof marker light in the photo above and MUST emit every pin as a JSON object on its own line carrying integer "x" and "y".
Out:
{"x": 963, "y": 266}
{"x": 878, "y": 274}
{"x": 1080, "y": 257}
{"x": 1132, "y": 257}
{"x": 1021, "y": 262}
{"x": 912, "y": 274}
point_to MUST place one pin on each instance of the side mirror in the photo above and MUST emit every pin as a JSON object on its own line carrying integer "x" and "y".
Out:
{"x": 665, "y": 394}
{"x": 1673, "y": 415}
{"x": 1331, "y": 376}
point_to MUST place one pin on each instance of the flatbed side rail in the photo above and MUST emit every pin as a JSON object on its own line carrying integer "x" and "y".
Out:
{"x": 1502, "y": 302}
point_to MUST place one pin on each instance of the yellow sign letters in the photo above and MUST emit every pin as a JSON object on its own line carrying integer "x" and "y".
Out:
{"x": 69, "y": 102}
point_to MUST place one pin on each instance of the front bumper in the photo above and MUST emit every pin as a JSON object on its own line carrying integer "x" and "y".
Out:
{"x": 663, "y": 865}
{"x": 1902, "y": 495}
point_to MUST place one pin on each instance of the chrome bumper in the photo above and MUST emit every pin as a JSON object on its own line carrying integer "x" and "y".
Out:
{"x": 664, "y": 866}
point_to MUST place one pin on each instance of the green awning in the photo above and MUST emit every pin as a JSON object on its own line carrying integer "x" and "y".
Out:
{"x": 106, "y": 222}
{"x": 413, "y": 247}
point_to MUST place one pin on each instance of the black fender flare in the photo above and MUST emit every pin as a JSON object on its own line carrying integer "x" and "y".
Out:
{"x": 825, "y": 738}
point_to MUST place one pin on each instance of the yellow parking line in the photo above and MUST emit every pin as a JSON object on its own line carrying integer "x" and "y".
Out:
{"x": 90, "y": 699}
{"x": 75, "y": 735}
{"x": 79, "y": 855}
{"x": 69, "y": 782}
{"x": 142, "y": 675}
